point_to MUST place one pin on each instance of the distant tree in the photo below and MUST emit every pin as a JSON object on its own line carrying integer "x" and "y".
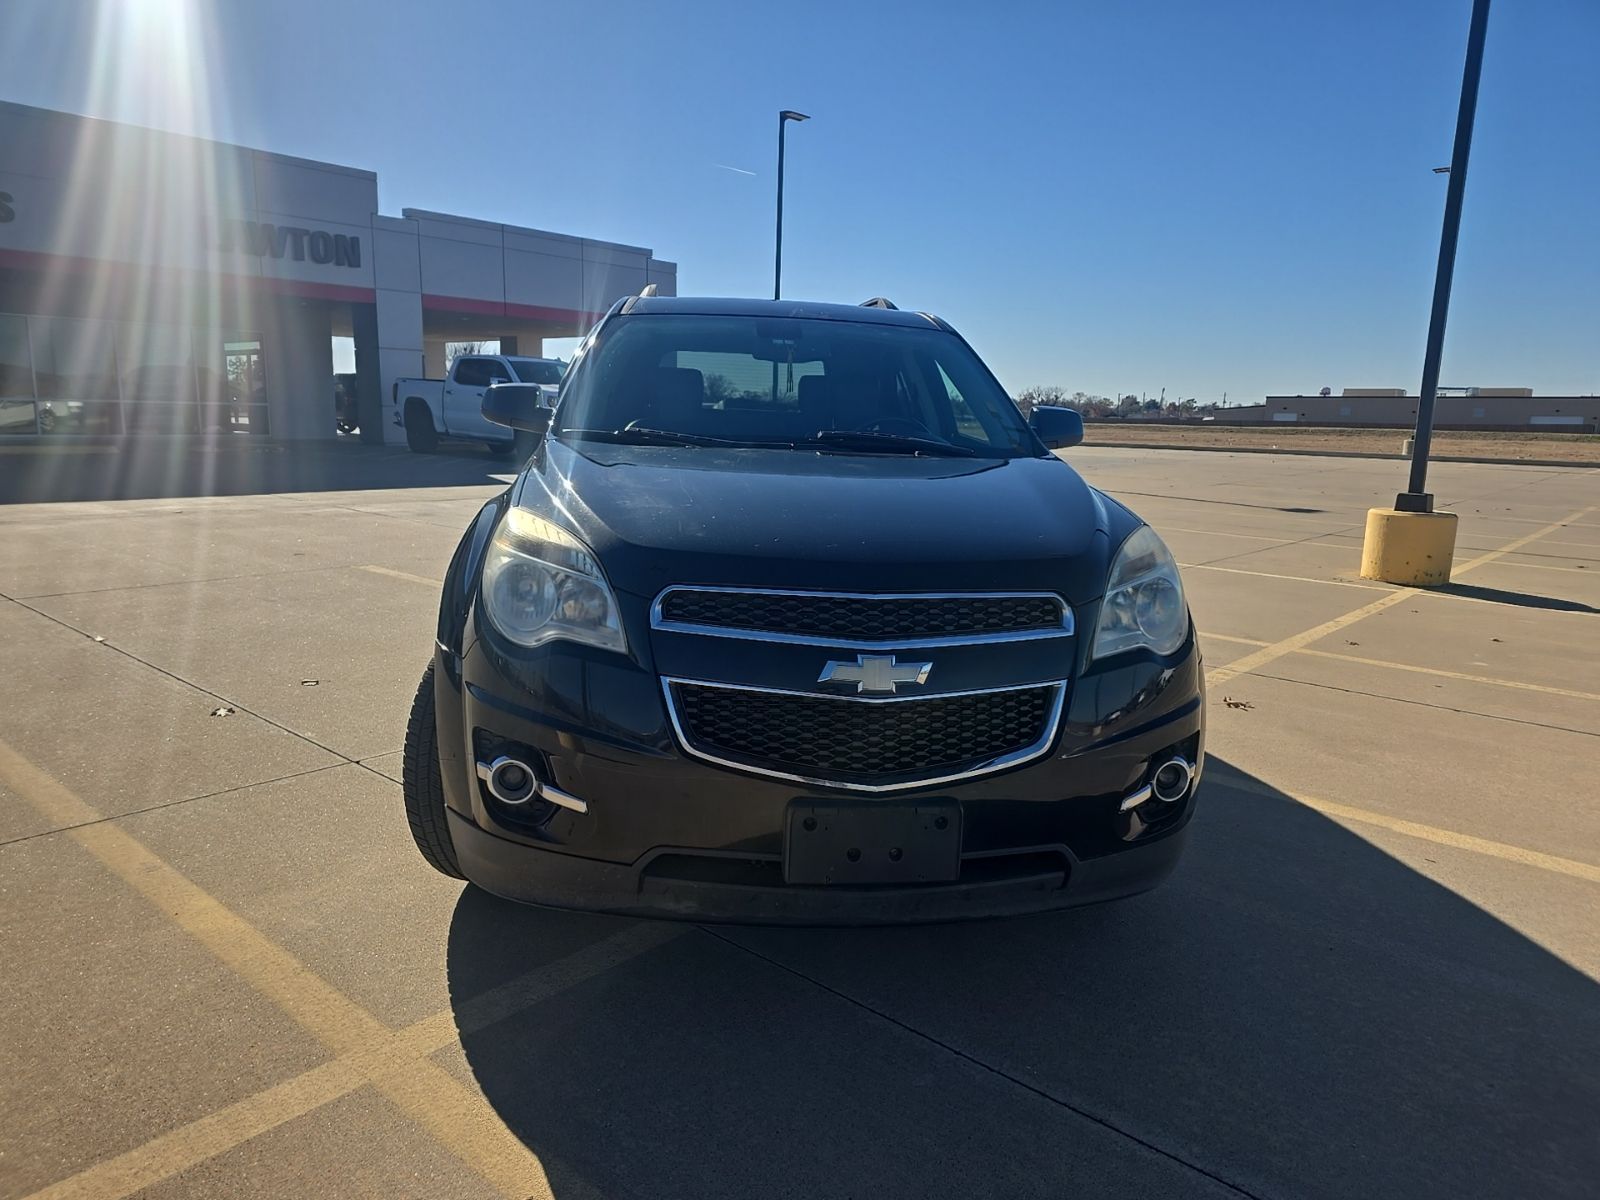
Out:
{"x": 1030, "y": 398}
{"x": 454, "y": 350}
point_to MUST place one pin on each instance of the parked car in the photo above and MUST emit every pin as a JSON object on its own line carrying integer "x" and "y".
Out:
{"x": 430, "y": 409}
{"x": 791, "y": 617}
{"x": 17, "y": 416}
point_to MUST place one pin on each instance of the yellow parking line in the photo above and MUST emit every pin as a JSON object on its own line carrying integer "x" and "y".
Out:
{"x": 392, "y": 573}
{"x": 392, "y": 1056}
{"x": 1519, "y": 543}
{"x": 1254, "y": 537}
{"x": 459, "y": 1118}
{"x": 1547, "y": 689}
{"x": 1370, "y": 587}
{"x": 1551, "y": 567}
{"x": 191, "y": 1144}
{"x": 1428, "y": 833}
{"x": 1303, "y": 639}
{"x": 329, "y": 1016}
{"x": 1544, "y": 688}
{"x": 1228, "y": 637}
{"x": 1316, "y": 633}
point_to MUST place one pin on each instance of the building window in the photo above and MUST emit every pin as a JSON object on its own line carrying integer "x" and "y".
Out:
{"x": 156, "y": 364}
{"x": 75, "y": 374}
{"x": 16, "y": 376}
{"x": 61, "y": 375}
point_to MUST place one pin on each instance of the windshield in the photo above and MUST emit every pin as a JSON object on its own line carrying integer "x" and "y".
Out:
{"x": 532, "y": 370}
{"x": 777, "y": 380}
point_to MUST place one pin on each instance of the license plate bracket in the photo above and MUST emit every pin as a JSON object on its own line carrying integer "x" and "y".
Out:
{"x": 864, "y": 842}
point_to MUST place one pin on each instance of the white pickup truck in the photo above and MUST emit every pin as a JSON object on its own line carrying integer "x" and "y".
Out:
{"x": 430, "y": 409}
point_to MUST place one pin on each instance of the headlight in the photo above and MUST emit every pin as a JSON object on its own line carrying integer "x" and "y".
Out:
{"x": 1144, "y": 603}
{"x": 540, "y": 583}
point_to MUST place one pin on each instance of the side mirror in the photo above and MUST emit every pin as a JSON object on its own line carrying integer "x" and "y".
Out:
{"x": 1057, "y": 427}
{"x": 517, "y": 406}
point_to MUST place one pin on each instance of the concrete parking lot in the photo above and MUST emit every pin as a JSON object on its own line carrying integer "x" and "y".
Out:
{"x": 226, "y": 971}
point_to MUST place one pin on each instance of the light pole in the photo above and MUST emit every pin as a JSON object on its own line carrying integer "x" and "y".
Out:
{"x": 1410, "y": 544}
{"x": 784, "y": 118}
{"x": 1415, "y": 498}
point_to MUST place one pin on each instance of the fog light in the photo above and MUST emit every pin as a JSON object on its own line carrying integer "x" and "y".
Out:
{"x": 509, "y": 780}
{"x": 1171, "y": 780}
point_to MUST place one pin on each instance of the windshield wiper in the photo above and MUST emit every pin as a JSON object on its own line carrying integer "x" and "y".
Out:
{"x": 886, "y": 443}
{"x": 641, "y": 435}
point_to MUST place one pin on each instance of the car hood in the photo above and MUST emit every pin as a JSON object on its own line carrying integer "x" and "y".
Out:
{"x": 660, "y": 515}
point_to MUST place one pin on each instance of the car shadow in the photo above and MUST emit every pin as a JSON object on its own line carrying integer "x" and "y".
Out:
{"x": 161, "y": 467}
{"x": 1294, "y": 1013}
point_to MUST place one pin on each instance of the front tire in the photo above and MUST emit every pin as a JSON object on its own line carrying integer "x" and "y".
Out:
{"x": 422, "y": 785}
{"x": 421, "y": 436}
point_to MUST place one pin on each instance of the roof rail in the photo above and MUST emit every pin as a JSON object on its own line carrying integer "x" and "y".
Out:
{"x": 649, "y": 289}
{"x": 879, "y": 302}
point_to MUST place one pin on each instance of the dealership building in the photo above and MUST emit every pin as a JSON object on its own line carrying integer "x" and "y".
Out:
{"x": 1488, "y": 408}
{"x": 161, "y": 284}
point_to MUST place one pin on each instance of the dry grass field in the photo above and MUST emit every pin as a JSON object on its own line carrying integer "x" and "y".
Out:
{"x": 1532, "y": 447}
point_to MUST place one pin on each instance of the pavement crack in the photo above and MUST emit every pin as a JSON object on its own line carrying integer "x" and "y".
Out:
{"x": 134, "y": 587}
{"x": 1466, "y": 712}
{"x": 1034, "y": 1089}
{"x": 150, "y": 808}
{"x": 1342, "y": 531}
{"x": 188, "y": 683}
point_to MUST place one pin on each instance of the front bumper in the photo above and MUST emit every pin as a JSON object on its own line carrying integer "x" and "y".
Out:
{"x": 666, "y": 834}
{"x": 700, "y": 888}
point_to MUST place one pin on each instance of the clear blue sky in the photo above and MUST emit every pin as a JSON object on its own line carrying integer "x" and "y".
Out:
{"x": 1204, "y": 196}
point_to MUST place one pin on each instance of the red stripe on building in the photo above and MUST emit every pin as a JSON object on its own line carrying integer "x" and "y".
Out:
{"x": 433, "y": 302}
{"x": 122, "y": 272}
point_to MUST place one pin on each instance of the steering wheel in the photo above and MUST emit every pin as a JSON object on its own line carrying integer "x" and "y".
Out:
{"x": 909, "y": 425}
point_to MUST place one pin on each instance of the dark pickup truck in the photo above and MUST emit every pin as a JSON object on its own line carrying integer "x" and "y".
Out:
{"x": 791, "y": 617}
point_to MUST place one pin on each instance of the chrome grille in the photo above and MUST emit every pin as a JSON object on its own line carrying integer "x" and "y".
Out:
{"x": 844, "y": 619}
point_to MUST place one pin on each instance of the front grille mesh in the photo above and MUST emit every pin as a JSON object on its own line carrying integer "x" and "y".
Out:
{"x": 821, "y": 737}
{"x": 864, "y": 618}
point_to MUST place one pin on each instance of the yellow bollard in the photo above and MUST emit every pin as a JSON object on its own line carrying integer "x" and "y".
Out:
{"x": 1410, "y": 548}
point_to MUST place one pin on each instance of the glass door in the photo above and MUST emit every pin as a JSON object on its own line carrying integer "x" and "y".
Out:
{"x": 244, "y": 387}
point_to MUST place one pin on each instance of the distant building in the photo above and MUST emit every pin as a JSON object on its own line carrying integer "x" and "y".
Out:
{"x": 154, "y": 283}
{"x": 1479, "y": 408}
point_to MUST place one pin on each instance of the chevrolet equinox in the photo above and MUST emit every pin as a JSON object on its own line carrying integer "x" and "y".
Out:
{"x": 792, "y": 617}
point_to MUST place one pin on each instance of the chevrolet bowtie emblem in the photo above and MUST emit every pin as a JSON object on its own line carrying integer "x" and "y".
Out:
{"x": 875, "y": 673}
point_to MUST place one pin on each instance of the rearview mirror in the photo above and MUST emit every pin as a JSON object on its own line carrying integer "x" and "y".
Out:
{"x": 517, "y": 406}
{"x": 1057, "y": 427}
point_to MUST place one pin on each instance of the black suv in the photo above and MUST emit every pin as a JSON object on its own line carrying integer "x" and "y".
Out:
{"x": 792, "y": 617}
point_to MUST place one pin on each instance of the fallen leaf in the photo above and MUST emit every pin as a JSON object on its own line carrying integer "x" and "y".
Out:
{"x": 1232, "y": 703}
